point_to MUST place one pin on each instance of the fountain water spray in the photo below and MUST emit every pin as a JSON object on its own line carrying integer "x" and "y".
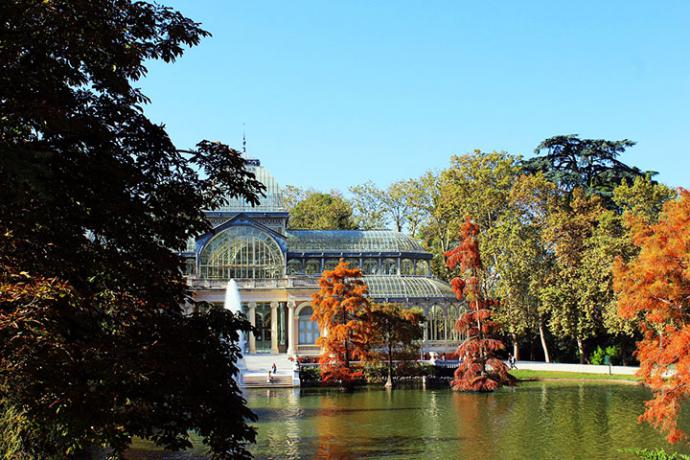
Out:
{"x": 233, "y": 302}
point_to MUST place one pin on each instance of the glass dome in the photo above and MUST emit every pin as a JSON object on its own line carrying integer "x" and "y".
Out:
{"x": 241, "y": 252}
{"x": 272, "y": 202}
{"x": 356, "y": 241}
{"x": 407, "y": 287}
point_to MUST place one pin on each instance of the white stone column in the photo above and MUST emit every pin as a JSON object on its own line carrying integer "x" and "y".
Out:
{"x": 274, "y": 327}
{"x": 291, "y": 329}
{"x": 252, "y": 319}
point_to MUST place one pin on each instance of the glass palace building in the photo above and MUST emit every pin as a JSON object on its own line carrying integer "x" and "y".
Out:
{"x": 277, "y": 270}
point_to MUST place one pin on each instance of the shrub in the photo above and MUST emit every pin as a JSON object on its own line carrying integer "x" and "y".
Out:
{"x": 614, "y": 353}
{"x": 310, "y": 373}
{"x": 597, "y": 357}
{"x": 655, "y": 454}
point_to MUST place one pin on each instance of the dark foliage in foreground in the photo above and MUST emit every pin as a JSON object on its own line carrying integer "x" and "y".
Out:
{"x": 95, "y": 200}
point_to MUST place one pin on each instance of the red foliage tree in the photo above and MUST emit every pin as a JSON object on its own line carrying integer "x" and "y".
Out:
{"x": 342, "y": 309}
{"x": 480, "y": 369}
{"x": 655, "y": 287}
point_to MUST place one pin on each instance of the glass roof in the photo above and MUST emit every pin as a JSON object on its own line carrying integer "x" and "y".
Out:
{"x": 351, "y": 241}
{"x": 407, "y": 287}
{"x": 272, "y": 202}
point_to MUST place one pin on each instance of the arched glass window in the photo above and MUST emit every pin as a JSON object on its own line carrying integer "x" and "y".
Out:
{"x": 406, "y": 267}
{"x": 241, "y": 252}
{"x": 370, "y": 266}
{"x": 330, "y": 264}
{"x": 453, "y": 315}
{"x": 294, "y": 266}
{"x": 308, "y": 329}
{"x": 354, "y": 262}
{"x": 313, "y": 267}
{"x": 390, "y": 267}
{"x": 436, "y": 327}
{"x": 422, "y": 268}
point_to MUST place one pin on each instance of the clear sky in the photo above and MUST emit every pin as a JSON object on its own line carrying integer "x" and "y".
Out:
{"x": 335, "y": 93}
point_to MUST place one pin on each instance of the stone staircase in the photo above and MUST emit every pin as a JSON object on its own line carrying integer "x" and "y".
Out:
{"x": 261, "y": 381}
{"x": 257, "y": 367}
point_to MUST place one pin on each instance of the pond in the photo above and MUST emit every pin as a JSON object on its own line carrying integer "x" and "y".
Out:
{"x": 534, "y": 420}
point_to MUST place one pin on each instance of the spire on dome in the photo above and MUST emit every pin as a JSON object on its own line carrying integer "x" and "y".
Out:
{"x": 244, "y": 141}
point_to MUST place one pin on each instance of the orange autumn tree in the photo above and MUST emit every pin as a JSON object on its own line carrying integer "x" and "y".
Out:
{"x": 655, "y": 287}
{"x": 342, "y": 309}
{"x": 480, "y": 369}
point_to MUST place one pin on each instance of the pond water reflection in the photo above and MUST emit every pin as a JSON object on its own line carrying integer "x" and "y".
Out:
{"x": 534, "y": 420}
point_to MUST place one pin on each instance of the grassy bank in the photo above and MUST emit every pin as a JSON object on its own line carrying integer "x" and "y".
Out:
{"x": 527, "y": 375}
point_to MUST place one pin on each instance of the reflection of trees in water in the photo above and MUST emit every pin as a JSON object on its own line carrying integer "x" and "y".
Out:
{"x": 476, "y": 430}
{"x": 575, "y": 421}
{"x": 331, "y": 431}
{"x": 541, "y": 420}
{"x": 366, "y": 424}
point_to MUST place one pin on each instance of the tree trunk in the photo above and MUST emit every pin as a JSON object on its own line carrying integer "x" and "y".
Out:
{"x": 389, "y": 382}
{"x": 345, "y": 342}
{"x": 531, "y": 348}
{"x": 542, "y": 338}
{"x": 516, "y": 347}
{"x": 581, "y": 350}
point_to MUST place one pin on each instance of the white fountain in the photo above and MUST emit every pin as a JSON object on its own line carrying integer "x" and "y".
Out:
{"x": 233, "y": 302}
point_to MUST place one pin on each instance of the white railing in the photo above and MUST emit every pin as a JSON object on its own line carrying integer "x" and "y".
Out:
{"x": 280, "y": 283}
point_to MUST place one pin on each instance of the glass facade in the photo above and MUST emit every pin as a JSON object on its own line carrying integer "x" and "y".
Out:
{"x": 241, "y": 252}
{"x": 436, "y": 324}
{"x": 454, "y": 313}
{"x": 263, "y": 327}
{"x": 422, "y": 268}
{"x": 351, "y": 241}
{"x": 406, "y": 267}
{"x": 308, "y": 329}
{"x": 272, "y": 202}
{"x": 312, "y": 267}
{"x": 407, "y": 287}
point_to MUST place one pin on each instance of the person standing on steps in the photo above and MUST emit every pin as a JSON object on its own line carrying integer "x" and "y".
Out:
{"x": 274, "y": 368}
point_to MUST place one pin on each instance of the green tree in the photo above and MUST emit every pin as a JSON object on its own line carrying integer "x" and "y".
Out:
{"x": 435, "y": 231}
{"x": 398, "y": 331}
{"x": 418, "y": 209}
{"x": 368, "y": 209}
{"x": 95, "y": 202}
{"x": 394, "y": 207}
{"x": 643, "y": 198}
{"x": 589, "y": 164}
{"x": 570, "y": 295}
{"x": 639, "y": 202}
{"x": 522, "y": 260}
{"x": 478, "y": 185}
{"x": 322, "y": 211}
{"x": 292, "y": 195}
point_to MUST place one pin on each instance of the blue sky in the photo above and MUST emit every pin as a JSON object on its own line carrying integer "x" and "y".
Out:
{"x": 336, "y": 93}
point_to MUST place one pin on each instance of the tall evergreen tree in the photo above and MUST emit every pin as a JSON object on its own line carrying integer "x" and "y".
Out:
{"x": 589, "y": 164}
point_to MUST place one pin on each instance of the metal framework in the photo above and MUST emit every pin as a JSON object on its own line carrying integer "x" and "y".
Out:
{"x": 351, "y": 241}
{"x": 407, "y": 287}
{"x": 241, "y": 252}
